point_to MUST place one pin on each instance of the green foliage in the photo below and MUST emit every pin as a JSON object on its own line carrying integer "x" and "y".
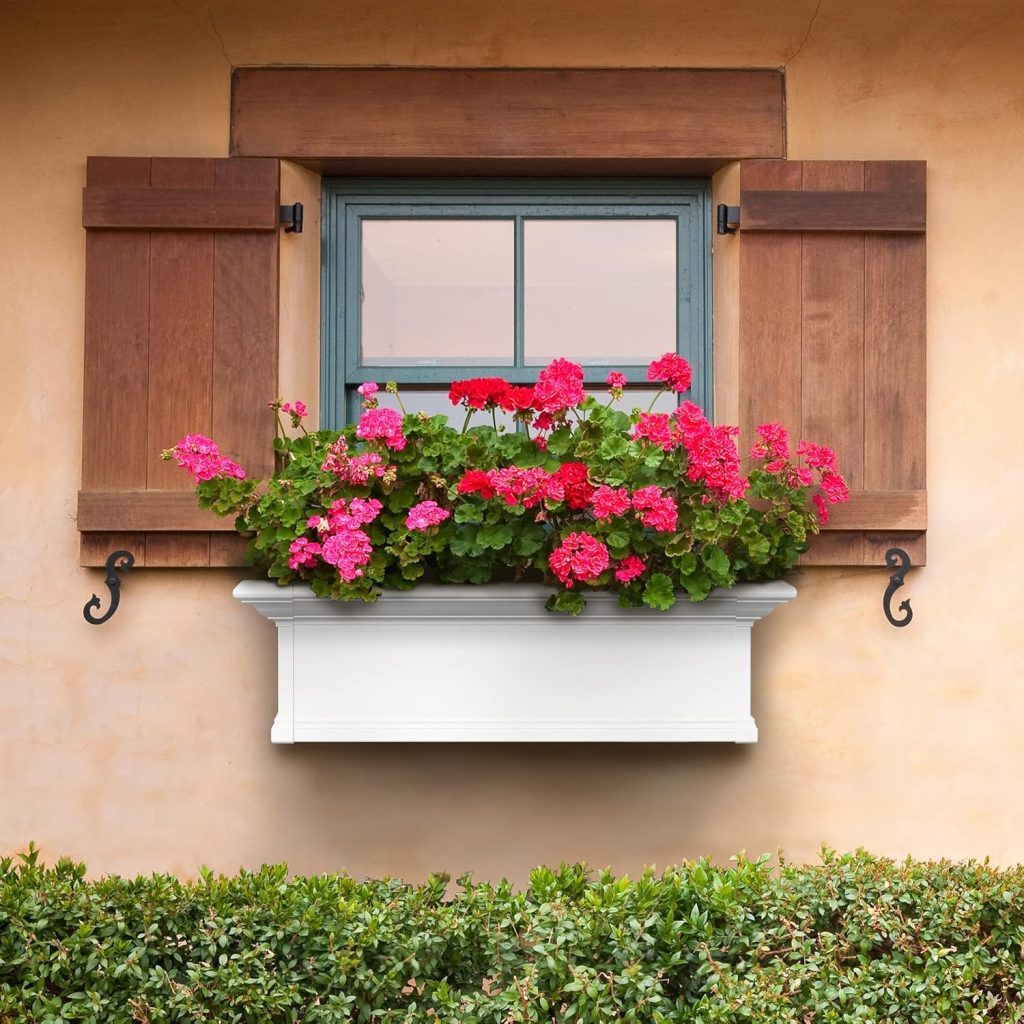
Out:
{"x": 853, "y": 939}
{"x": 717, "y": 540}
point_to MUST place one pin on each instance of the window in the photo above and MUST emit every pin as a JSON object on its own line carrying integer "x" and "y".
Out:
{"x": 430, "y": 281}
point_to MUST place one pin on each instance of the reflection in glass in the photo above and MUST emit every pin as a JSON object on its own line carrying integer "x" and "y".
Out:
{"x": 437, "y": 291}
{"x": 600, "y": 291}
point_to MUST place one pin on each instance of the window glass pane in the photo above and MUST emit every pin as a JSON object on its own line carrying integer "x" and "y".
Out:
{"x": 639, "y": 398}
{"x": 437, "y": 291}
{"x": 434, "y": 402}
{"x": 600, "y": 291}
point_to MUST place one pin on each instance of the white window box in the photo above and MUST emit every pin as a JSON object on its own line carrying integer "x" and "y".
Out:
{"x": 488, "y": 663}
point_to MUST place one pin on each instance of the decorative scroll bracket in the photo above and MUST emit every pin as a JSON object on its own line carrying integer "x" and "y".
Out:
{"x": 118, "y": 561}
{"x": 898, "y": 559}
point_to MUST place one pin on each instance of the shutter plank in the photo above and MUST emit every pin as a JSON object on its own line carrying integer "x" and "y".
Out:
{"x": 96, "y": 548}
{"x": 177, "y": 550}
{"x": 894, "y": 347}
{"x": 245, "y": 350}
{"x": 181, "y": 349}
{"x": 116, "y": 381}
{"x": 832, "y": 326}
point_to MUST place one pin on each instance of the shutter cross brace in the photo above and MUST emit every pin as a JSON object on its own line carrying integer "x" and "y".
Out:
{"x": 118, "y": 561}
{"x": 291, "y": 217}
{"x": 728, "y": 219}
{"x": 898, "y": 559}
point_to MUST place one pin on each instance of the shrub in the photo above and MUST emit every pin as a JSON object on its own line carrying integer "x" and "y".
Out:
{"x": 856, "y": 938}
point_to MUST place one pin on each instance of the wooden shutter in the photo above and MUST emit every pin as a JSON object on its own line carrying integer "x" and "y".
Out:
{"x": 180, "y": 337}
{"x": 832, "y": 335}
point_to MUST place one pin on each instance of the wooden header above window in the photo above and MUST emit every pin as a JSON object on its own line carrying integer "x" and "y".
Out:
{"x": 447, "y": 120}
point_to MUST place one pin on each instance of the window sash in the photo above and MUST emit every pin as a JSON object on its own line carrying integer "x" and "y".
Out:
{"x": 347, "y": 202}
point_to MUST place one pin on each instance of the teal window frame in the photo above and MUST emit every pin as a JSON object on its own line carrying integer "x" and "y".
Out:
{"x": 347, "y": 201}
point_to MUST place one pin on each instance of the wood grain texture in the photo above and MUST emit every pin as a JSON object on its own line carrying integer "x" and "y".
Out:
{"x": 180, "y": 349}
{"x": 466, "y": 114}
{"x": 881, "y": 510}
{"x": 147, "y": 510}
{"x": 180, "y": 208}
{"x": 116, "y": 372}
{"x": 244, "y": 376}
{"x": 155, "y": 297}
{"x": 832, "y": 330}
{"x": 97, "y": 547}
{"x": 895, "y": 315}
{"x": 897, "y": 212}
{"x": 841, "y": 548}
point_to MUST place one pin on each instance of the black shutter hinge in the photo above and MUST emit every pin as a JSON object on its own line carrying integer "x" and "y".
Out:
{"x": 291, "y": 216}
{"x": 728, "y": 219}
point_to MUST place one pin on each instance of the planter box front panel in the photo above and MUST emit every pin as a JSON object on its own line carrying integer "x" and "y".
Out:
{"x": 449, "y": 664}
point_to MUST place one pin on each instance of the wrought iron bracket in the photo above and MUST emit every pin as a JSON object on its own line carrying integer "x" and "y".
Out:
{"x": 118, "y": 561}
{"x": 291, "y": 216}
{"x": 728, "y": 219}
{"x": 898, "y": 559}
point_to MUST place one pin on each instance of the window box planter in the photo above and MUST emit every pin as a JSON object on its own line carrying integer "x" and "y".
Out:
{"x": 488, "y": 663}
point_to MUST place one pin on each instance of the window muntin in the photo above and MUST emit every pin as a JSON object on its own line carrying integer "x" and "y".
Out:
{"x": 497, "y": 278}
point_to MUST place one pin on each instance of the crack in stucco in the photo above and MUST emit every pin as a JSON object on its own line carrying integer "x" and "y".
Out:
{"x": 202, "y": 28}
{"x": 807, "y": 35}
{"x": 220, "y": 38}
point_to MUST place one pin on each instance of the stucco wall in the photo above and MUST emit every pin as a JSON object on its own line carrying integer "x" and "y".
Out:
{"x": 143, "y": 744}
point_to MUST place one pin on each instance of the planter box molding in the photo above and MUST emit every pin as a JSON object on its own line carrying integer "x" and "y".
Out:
{"x": 489, "y": 663}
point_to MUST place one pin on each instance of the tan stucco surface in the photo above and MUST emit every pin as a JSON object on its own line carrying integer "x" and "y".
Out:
{"x": 143, "y": 744}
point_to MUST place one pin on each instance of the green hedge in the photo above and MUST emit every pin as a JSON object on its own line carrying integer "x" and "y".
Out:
{"x": 855, "y": 938}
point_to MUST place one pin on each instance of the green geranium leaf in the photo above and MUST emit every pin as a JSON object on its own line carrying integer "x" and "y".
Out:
{"x": 659, "y": 592}
{"x": 571, "y": 602}
{"x": 495, "y": 536}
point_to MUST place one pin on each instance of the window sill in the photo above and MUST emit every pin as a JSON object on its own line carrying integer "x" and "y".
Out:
{"x": 489, "y": 664}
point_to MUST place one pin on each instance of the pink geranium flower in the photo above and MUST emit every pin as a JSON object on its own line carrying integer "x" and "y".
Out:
{"x": 671, "y": 369}
{"x": 655, "y": 427}
{"x": 425, "y": 515}
{"x": 610, "y": 501}
{"x": 712, "y": 455}
{"x": 580, "y": 557}
{"x": 629, "y": 568}
{"x": 559, "y": 386}
{"x": 657, "y": 509}
{"x": 382, "y": 424}
{"x": 202, "y": 458}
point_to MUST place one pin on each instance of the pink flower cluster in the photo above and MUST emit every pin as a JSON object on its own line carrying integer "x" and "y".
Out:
{"x": 295, "y": 408}
{"x": 383, "y": 424}
{"x": 712, "y": 456}
{"x": 671, "y": 369}
{"x": 528, "y": 487}
{"x": 580, "y": 557}
{"x": 303, "y": 553}
{"x": 657, "y": 509}
{"x": 559, "y": 387}
{"x": 656, "y": 427}
{"x": 772, "y": 444}
{"x": 343, "y": 543}
{"x": 610, "y": 501}
{"x": 353, "y": 469}
{"x": 425, "y": 515}
{"x": 202, "y": 458}
{"x": 629, "y": 568}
